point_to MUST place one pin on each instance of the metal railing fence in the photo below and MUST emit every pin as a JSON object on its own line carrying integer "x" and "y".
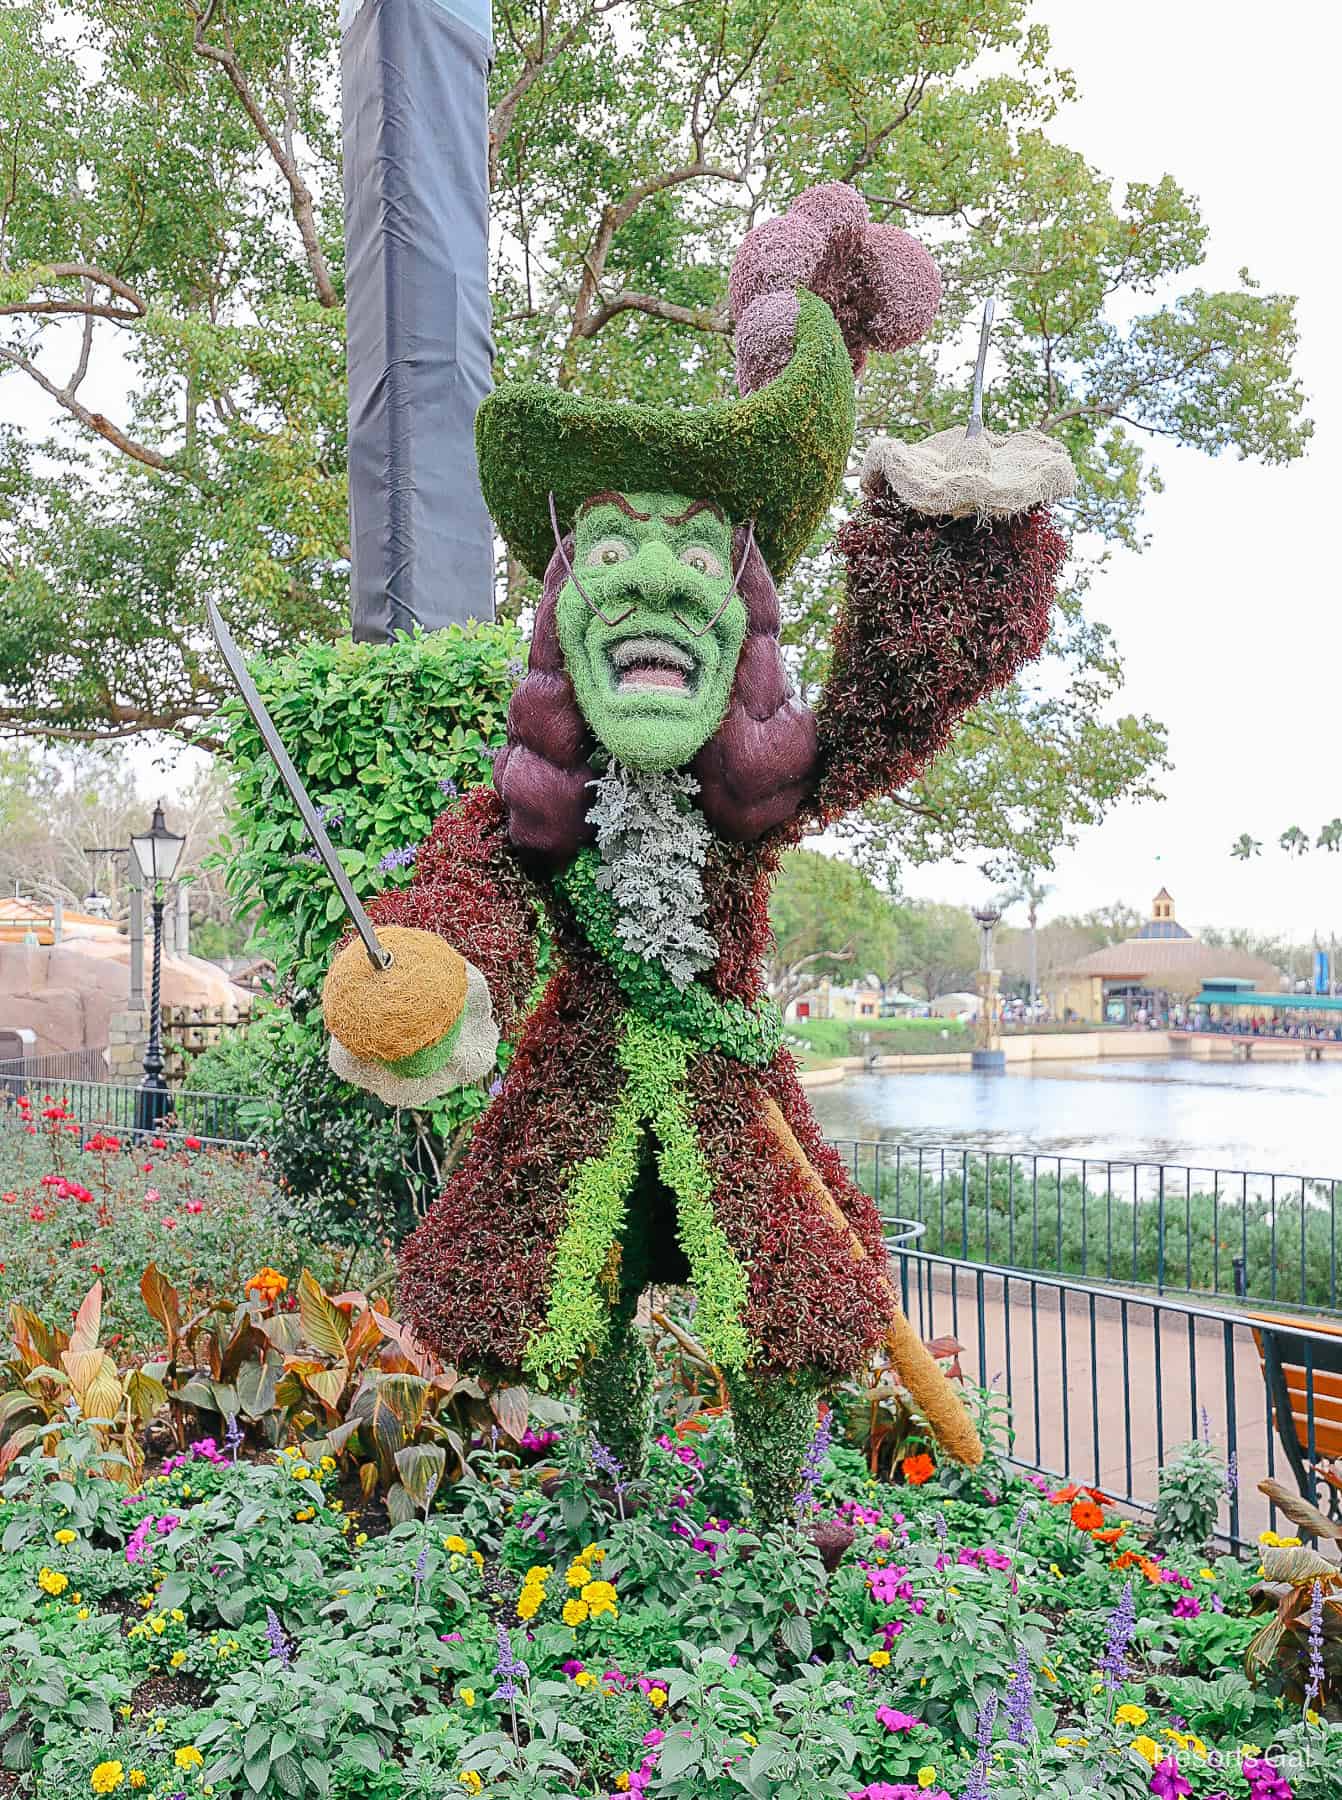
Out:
{"x": 1103, "y": 1385}
{"x": 101, "y": 1107}
{"x": 1237, "y": 1233}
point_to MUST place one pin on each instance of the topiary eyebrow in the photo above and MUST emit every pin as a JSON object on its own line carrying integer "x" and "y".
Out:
{"x": 611, "y": 498}
{"x": 695, "y": 506}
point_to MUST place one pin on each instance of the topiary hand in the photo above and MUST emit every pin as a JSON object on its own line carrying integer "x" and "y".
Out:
{"x": 415, "y": 1029}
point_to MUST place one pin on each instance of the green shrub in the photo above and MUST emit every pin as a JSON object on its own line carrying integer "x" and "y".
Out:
{"x": 889, "y": 1037}
{"x": 383, "y": 735}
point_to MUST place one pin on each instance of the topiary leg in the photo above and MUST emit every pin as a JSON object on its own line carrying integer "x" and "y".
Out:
{"x": 616, "y": 1392}
{"x": 775, "y": 1422}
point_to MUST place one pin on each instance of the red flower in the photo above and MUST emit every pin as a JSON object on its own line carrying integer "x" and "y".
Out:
{"x": 195, "y": 1206}
{"x": 37, "y": 1215}
{"x": 158, "y": 1143}
{"x": 192, "y": 1143}
{"x": 78, "y": 1244}
{"x": 169, "y": 1224}
{"x": 918, "y": 1469}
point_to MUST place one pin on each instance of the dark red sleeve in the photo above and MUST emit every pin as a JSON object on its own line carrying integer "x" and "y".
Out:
{"x": 938, "y": 613}
{"x": 469, "y": 888}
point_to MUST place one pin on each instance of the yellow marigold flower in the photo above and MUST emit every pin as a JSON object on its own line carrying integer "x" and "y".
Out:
{"x": 926, "y": 1775}
{"x": 457, "y": 1545}
{"x": 188, "y": 1757}
{"x": 584, "y": 1679}
{"x": 52, "y": 1582}
{"x": 529, "y": 1603}
{"x": 137, "y": 1778}
{"x": 478, "y": 1559}
{"x": 466, "y": 1696}
{"x": 593, "y": 1553}
{"x": 1207, "y": 1574}
{"x": 470, "y": 1781}
{"x": 66, "y": 1536}
{"x": 107, "y": 1777}
{"x": 657, "y": 1698}
{"x": 879, "y": 1659}
{"x": 538, "y": 1573}
{"x": 576, "y": 1612}
{"x": 305, "y": 1513}
{"x": 83, "y": 1614}
{"x": 177, "y": 1658}
{"x": 1147, "y": 1747}
{"x": 578, "y": 1575}
{"x": 1136, "y": 1716}
{"x": 599, "y": 1593}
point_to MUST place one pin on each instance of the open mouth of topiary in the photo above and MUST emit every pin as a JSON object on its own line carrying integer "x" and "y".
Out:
{"x": 651, "y": 663}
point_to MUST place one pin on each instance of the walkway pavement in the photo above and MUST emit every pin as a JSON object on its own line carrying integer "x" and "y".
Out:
{"x": 1104, "y": 1385}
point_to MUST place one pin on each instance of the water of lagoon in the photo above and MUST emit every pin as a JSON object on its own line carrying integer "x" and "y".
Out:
{"x": 1282, "y": 1117}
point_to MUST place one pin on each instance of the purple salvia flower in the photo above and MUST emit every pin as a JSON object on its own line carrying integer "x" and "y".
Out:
{"x": 1020, "y": 1701}
{"x": 233, "y": 1436}
{"x": 448, "y": 788}
{"x": 941, "y": 1527}
{"x": 977, "y": 1786}
{"x": 814, "y": 1461}
{"x": 1315, "y": 1687}
{"x": 280, "y": 1648}
{"x": 508, "y": 1668}
{"x": 515, "y": 669}
{"x": 331, "y": 817}
{"x": 403, "y": 858}
{"x": 1122, "y": 1628}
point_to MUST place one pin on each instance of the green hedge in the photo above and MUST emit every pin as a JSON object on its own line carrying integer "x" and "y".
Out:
{"x": 891, "y": 1037}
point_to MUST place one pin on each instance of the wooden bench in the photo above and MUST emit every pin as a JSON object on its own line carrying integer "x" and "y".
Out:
{"x": 1299, "y": 1368}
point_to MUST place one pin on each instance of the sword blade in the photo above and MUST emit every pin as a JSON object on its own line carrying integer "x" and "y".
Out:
{"x": 293, "y": 781}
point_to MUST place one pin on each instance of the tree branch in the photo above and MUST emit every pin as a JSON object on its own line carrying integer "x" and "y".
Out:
{"x": 96, "y": 422}
{"x": 135, "y": 307}
{"x": 300, "y": 195}
{"x": 703, "y": 318}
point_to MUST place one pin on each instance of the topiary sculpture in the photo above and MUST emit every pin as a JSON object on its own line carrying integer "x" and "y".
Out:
{"x": 651, "y": 1127}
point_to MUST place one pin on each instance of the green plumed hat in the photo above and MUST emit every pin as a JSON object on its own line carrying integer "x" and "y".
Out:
{"x": 777, "y": 456}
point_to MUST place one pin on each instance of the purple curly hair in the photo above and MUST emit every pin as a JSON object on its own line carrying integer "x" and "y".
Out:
{"x": 755, "y": 772}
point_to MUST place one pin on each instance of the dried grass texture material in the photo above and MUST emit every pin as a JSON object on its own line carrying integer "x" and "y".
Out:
{"x": 383, "y": 1015}
{"x": 936, "y": 1399}
{"x": 952, "y": 475}
{"x": 473, "y": 1056}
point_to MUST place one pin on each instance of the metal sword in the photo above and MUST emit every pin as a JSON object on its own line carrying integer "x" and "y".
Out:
{"x": 293, "y": 781}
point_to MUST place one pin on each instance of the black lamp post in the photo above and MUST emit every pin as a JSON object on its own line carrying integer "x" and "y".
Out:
{"x": 157, "y": 851}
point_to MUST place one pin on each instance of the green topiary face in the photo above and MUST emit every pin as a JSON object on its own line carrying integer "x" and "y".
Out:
{"x": 660, "y": 567}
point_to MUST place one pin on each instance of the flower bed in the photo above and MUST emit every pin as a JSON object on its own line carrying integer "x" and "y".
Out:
{"x": 72, "y": 1214}
{"x": 239, "y": 1628}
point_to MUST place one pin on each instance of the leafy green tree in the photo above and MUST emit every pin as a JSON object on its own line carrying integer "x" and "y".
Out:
{"x": 826, "y": 914}
{"x": 938, "y": 948}
{"x": 170, "y": 228}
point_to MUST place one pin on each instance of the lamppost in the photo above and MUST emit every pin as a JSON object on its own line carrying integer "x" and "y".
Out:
{"x": 988, "y": 1054}
{"x": 157, "y": 852}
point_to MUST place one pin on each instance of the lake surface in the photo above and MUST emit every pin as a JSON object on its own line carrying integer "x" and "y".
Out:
{"x": 1281, "y": 1117}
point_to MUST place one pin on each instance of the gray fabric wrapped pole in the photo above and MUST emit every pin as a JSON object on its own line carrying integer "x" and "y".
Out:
{"x": 415, "y": 76}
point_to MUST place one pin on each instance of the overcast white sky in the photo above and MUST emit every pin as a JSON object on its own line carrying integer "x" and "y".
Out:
{"x": 1229, "y": 624}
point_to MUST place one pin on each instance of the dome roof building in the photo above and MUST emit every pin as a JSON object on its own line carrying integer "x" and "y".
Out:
{"x": 1163, "y": 961}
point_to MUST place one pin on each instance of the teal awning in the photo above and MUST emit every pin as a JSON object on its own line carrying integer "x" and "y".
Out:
{"x": 1279, "y": 1002}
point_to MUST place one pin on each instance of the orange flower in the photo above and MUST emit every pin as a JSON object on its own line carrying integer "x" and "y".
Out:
{"x": 1111, "y": 1536}
{"x": 918, "y": 1469}
{"x": 1086, "y": 1516}
{"x": 1126, "y": 1560}
{"x": 1098, "y": 1495}
{"x": 1065, "y": 1495}
{"x": 1150, "y": 1569}
{"x": 267, "y": 1284}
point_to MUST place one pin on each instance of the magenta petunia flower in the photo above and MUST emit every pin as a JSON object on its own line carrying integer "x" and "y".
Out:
{"x": 1166, "y": 1781}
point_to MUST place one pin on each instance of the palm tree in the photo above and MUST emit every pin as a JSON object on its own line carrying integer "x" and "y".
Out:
{"x": 1029, "y": 890}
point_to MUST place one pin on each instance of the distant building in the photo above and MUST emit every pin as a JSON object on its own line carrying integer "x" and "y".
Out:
{"x": 1163, "y": 965}
{"x": 858, "y": 1000}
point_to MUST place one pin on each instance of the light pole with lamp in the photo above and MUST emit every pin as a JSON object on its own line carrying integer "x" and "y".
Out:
{"x": 157, "y": 852}
{"x": 988, "y": 1055}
